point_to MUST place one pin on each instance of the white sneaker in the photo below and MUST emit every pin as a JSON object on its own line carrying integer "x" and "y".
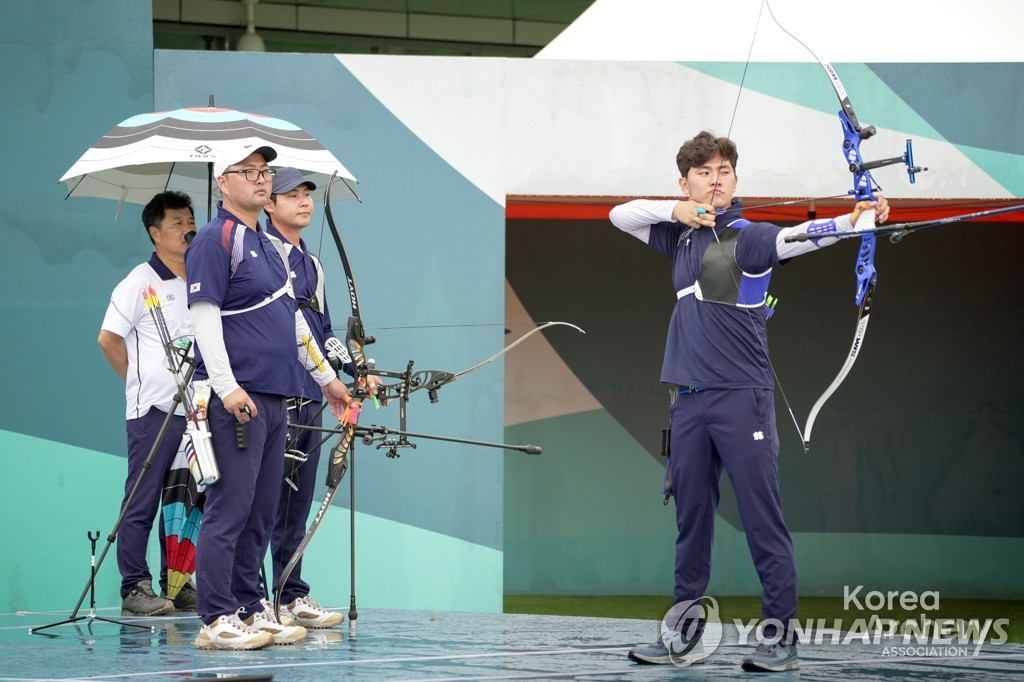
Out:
{"x": 307, "y": 612}
{"x": 282, "y": 634}
{"x": 229, "y": 632}
{"x": 286, "y": 617}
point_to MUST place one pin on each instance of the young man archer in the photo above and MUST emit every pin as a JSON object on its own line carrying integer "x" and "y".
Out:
{"x": 716, "y": 361}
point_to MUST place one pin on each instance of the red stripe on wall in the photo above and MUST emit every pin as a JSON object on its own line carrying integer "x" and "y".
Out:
{"x": 571, "y": 209}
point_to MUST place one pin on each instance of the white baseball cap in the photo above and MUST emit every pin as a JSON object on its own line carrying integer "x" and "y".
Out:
{"x": 231, "y": 154}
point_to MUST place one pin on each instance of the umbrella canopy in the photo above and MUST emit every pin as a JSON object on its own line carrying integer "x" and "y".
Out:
{"x": 151, "y": 153}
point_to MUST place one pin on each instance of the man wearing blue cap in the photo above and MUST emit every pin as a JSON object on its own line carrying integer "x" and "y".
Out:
{"x": 248, "y": 330}
{"x": 290, "y": 211}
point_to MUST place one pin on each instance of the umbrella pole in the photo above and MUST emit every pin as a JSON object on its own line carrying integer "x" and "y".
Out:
{"x": 209, "y": 184}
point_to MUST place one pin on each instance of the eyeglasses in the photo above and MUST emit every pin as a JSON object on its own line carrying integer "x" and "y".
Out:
{"x": 252, "y": 174}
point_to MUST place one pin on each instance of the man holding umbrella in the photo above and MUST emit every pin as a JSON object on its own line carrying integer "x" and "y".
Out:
{"x": 131, "y": 344}
{"x": 248, "y": 333}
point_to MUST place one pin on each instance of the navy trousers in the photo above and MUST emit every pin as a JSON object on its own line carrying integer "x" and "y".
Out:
{"x": 734, "y": 430}
{"x": 240, "y": 508}
{"x": 293, "y": 510}
{"x": 133, "y": 536}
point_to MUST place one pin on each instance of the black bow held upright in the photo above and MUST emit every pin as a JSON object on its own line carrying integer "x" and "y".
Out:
{"x": 404, "y": 384}
{"x": 355, "y": 339}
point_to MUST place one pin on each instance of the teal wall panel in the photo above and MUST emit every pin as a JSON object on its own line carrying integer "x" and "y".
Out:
{"x": 45, "y": 563}
{"x": 73, "y": 71}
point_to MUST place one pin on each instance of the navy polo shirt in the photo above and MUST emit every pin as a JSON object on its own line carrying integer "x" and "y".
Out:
{"x": 714, "y": 345}
{"x": 260, "y": 342}
{"x": 303, "y": 273}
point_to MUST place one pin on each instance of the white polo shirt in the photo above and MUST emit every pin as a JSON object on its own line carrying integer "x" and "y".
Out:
{"x": 149, "y": 382}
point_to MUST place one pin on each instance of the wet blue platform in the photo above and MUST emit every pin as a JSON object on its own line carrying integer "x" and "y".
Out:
{"x": 418, "y": 645}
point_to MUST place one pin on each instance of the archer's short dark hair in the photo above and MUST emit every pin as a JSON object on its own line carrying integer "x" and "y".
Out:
{"x": 153, "y": 213}
{"x": 703, "y": 148}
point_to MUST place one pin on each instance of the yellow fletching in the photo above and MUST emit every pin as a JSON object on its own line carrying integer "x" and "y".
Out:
{"x": 311, "y": 351}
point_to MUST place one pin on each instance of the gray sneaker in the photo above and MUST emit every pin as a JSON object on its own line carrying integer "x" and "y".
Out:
{"x": 186, "y": 599}
{"x": 650, "y": 653}
{"x": 774, "y": 658}
{"x": 659, "y": 654}
{"x": 142, "y": 601}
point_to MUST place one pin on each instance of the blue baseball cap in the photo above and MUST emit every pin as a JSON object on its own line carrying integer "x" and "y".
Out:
{"x": 286, "y": 179}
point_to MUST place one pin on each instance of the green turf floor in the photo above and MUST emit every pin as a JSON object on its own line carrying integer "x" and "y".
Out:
{"x": 744, "y": 608}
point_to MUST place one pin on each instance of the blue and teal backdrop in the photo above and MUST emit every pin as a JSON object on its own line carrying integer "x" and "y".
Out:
{"x": 915, "y": 478}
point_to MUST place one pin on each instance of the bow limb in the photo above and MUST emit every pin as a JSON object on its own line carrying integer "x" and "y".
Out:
{"x": 863, "y": 190}
{"x": 356, "y": 330}
{"x": 336, "y": 470}
{"x": 355, "y": 340}
{"x": 433, "y": 379}
{"x": 867, "y": 276}
{"x": 863, "y": 316}
{"x": 509, "y": 347}
{"x": 864, "y": 269}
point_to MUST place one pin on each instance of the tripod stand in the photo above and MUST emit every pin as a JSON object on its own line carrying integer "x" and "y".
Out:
{"x": 90, "y": 586}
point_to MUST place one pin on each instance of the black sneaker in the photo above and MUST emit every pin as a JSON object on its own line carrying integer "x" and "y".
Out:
{"x": 186, "y": 599}
{"x": 774, "y": 658}
{"x": 142, "y": 601}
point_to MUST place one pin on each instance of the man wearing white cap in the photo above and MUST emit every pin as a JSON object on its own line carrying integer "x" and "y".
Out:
{"x": 247, "y": 328}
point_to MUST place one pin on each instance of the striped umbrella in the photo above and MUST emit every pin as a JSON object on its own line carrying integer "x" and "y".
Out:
{"x": 151, "y": 153}
{"x": 183, "y": 500}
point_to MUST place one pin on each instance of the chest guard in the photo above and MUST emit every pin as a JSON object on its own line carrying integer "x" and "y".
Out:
{"x": 285, "y": 248}
{"x": 722, "y": 281}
